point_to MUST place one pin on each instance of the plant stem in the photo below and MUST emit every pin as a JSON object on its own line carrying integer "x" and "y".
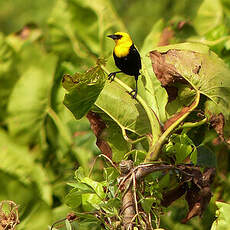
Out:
{"x": 194, "y": 124}
{"x": 147, "y": 109}
{"x": 154, "y": 151}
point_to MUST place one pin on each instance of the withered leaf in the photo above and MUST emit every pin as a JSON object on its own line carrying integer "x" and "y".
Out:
{"x": 199, "y": 68}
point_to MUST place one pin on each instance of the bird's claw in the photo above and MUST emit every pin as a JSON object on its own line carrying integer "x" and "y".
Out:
{"x": 133, "y": 94}
{"x": 111, "y": 76}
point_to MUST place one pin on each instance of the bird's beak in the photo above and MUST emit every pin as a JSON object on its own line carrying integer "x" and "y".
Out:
{"x": 113, "y": 36}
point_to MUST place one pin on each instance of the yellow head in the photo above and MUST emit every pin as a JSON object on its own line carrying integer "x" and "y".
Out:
{"x": 123, "y": 42}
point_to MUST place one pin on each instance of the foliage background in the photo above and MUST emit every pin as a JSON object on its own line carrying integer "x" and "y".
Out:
{"x": 41, "y": 144}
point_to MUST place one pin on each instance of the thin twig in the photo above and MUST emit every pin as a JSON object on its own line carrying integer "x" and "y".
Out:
{"x": 150, "y": 221}
{"x": 58, "y": 221}
{"x": 107, "y": 158}
{"x": 134, "y": 192}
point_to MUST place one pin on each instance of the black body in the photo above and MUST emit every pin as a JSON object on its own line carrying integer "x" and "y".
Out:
{"x": 130, "y": 64}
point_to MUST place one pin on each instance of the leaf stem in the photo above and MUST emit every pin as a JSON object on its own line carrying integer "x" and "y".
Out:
{"x": 155, "y": 149}
{"x": 193, "y": 124}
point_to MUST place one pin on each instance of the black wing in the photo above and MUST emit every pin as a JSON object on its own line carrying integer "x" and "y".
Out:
{"x": 131, "y": 64}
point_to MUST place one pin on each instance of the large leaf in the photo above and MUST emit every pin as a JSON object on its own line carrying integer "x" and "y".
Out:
{"x": 8, "y": 73}
{"x": 203, "y": 69}
{"x": 209, "y": 15}
{"x": 123, "y": 109}
{"x": 30, "y": 98}
{"x": 105, "y": 13}
{"x": 153, "y": 93}
{"x": 22, "y": 14}
{"x": 113, "y": 136}
{"x": 39, "y": 216}
{"x": 83, "y": 90}
{"x": 222, "y": 221}
{"x": 67, "y": 28}
{"x": 16, "y": 160}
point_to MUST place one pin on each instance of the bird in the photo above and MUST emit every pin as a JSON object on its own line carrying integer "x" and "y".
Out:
{"x": 126, "y": 57}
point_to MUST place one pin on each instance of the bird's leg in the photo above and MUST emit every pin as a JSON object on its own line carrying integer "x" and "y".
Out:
{"x": 135, "y": 90}
{"x": 112, "y": 75}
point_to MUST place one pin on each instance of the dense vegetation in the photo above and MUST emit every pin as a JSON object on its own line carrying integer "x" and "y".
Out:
{"x": 65, "y": 129}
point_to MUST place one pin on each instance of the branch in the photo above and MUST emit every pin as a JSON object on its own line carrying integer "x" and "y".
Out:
{"x": 175, "y": 121}
{"x": 128, "y": 204}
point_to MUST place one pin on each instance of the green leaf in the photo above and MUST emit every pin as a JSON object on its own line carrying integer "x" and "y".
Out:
{"x": 83, "y": 188}
{"x": 87, "y": 217}
{"x": 68, "y": 225}
{"x": 24, "y": 168}
{"x": 74, "y": 198}
{"x": 38, "y": 211}
{"x": 155, "y": 95}
{"x": 204, "y": 70}
{"x": 84, "y": 90}
{"x": 206, "y": 157}
{"x": 96, "y": 186}
{"x": 185, "y": 96}
{"x": 110, "y": 174}
{"x": 68, "y": 34}
{"x": 147, "y": 203}
{"x": 112, "y": 134}
{"x": 21, "y": 15}
{"x": 181, "y": 146}
{"x": 209, "y": 15}
{"x": 152, "y": 39}
{"x": 8, "y": 74}
{"x": 87, "y": 192}
{"x": 124, "y": 110}
{"x": 105, "y": 13}
{"x": 91, "y": 201}
{"x": 29, "y": 100}
{"x": 222, "y": 221}
{"x": 79, "y": 174}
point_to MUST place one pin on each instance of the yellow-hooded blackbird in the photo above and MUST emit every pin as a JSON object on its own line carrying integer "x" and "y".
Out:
{"x": 126, "y": 57}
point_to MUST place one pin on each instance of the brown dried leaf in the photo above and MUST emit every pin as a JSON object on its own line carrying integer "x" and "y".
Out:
{"x": 174, "y": 194}
{"x": 166, "y": 35}
{"x": 199, "y": 194}
{"x": 217, "y": 122}
{"x": 166, "y": 73}
{"x": 200, "y": 69}
{"x": 9, "y": 217}
{"x": 98, "y": 125}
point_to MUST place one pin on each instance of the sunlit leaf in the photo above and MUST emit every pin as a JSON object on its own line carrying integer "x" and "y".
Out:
{"x": 181, "y": 146}
{"x": 147, "y": 204}
{"x": 124, "y": 110}
{"x": 84, "y": 90}
{"x": 21, "y": 15}
{"x": 222, "y": 221}
{"x": 29, "y": 100}
{"x": 204, "y": 70}
{"x": 24, "y": 168}
{"x": 154, "y": 94}
{"x": 8, "y": 73}
{"x": 68, "y": 225}
{"x": 74, "y": 198}
{"x": 209, "y": 15}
